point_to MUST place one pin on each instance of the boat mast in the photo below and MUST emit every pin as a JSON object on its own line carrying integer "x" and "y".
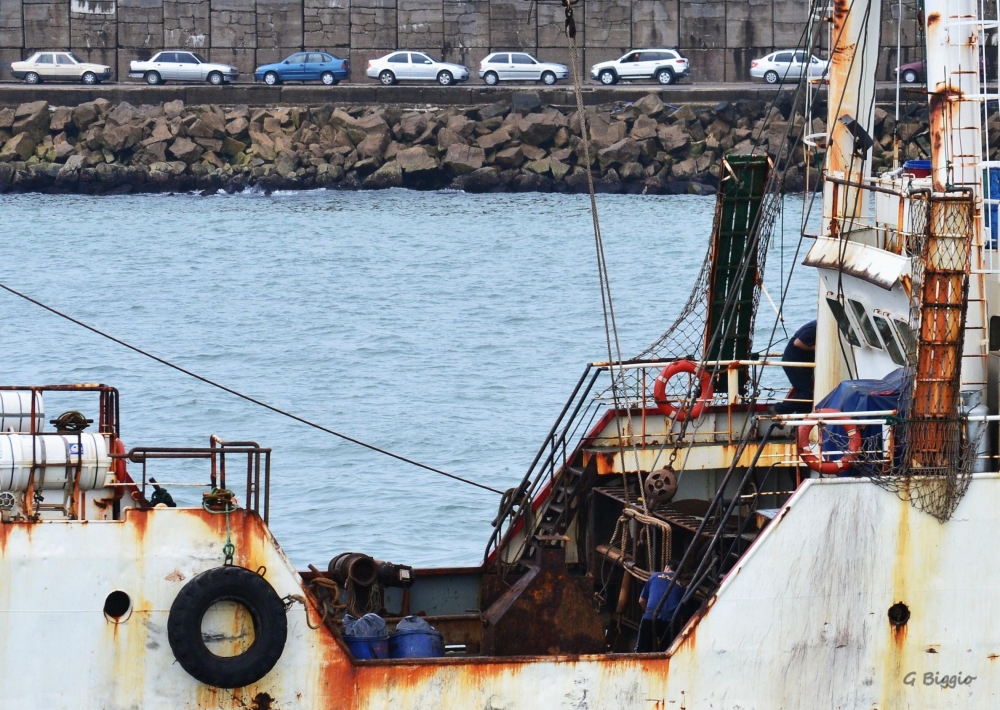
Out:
{"x": 850, "y": 115}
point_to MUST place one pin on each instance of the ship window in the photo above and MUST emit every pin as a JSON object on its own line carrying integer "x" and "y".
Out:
{"x": 117, "y": 605}
{"x": 843, "y": 322}
{"x": 905, "y": 335}
{"x": 885, "y": 330}
{"x": 866, "y": 324}
{"x": 994, "y": 332}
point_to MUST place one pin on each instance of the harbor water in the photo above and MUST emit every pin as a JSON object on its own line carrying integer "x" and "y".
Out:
{"x": 444, "y": 326}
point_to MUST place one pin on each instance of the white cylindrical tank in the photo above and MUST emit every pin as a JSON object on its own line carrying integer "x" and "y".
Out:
{"x": 57, "y": 450}
{"x": 15, "y": 411}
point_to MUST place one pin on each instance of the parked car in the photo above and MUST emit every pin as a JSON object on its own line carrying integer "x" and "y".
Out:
{"x": 518, "y": 66}
{"x": 305, "y": 66}
{"x": 414, "y": 66}
{"x": 182, "y": 66}
{"x": 911, "y": 73}
{"x": 787, "y": 64}
{"x": 58, "y": 66}
{"x": 664, "y": 65}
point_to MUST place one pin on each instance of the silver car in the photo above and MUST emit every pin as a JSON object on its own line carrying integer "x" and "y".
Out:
{"x": 518, "y": 66}
{"x": 414, "y": 66}
{"x": 787, "y": 64}
{"x": 182, "y": 66}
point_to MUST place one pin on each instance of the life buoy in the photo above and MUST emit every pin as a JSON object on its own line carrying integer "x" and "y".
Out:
{"x": 660, "y": 389}
{"x": 266, "y": 610}
{"x": 816, "y": 463}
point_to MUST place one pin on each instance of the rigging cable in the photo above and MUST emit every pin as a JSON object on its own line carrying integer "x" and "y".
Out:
{"x": 248, "y": 398}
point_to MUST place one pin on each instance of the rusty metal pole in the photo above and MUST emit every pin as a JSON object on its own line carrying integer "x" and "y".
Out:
{"x": 953, "y": 86}
{"x": 851, "y": 94}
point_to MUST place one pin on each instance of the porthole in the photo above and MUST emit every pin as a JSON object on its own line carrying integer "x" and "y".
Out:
{"x": 117, "y": 606}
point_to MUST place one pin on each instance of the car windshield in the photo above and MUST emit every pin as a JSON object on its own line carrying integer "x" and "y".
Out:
{"x": 73, "y": 57}
{"x": 199, "y": 58}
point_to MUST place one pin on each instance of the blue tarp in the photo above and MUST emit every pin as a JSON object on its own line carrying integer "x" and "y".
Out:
{"x": 861, "y": 396}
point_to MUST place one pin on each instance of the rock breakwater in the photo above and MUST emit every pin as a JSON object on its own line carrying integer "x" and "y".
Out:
{"x": 642, "y": 147}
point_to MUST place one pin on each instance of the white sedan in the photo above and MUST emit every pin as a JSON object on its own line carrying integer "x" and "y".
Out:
{"x": 787, "y": 64}
{"x": 414, "y": 66}
{"x": 58, "y": 66}
{"x": 518, "y": 66}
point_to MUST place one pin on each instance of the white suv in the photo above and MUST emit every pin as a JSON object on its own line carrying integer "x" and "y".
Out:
{"x": 664, "y": 65}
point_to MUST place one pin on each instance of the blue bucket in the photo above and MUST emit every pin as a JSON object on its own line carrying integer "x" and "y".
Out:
{"x": 366, "y": 647}
{"x": 919, "y": 168}
{"x": 416, "y": 644}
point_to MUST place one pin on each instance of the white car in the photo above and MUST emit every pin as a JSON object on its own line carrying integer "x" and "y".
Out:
{"x": 58, "y": 66}
{"x": 663, "y": 64}
{"x": 787, "y": 64}
{"x": 414, "y": 66}
{"x": 182, "y": 66}
{"x": 518, "y": 66}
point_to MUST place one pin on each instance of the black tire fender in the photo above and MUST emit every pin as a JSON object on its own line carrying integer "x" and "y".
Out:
{"x": 265, "y": 607}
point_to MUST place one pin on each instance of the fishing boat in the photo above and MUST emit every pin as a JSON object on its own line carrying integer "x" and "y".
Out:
{"x": 835, "y": 556}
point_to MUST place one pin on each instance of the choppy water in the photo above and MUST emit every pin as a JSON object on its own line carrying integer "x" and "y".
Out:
{"x": 447, "y": 327}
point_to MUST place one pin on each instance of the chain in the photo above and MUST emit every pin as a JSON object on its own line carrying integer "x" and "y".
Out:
{"x": 222, "y": 501}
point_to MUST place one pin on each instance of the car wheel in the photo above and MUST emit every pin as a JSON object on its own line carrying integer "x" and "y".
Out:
{"x": 153, "y": 78}
{"x": 89, "y": 77}
{"x": 32, "y": 78}
{"x": 548, "y": 78}
{"x": 329, "y": 79}
{"x": 608, "y": 77}
{"x": 491, "y": 78}
{"x": 910, "y": 76}
{"x": 445, "y": 78}
{"x": 771, "y": 77}
{"x": 271, "y": 78}
{"x": 215, "y": 79}
{"x": 387, "y": 78}
{"x": 665, "y": 76}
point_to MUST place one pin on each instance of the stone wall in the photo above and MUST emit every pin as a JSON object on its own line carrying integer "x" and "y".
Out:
{"x": 719, "y": 36}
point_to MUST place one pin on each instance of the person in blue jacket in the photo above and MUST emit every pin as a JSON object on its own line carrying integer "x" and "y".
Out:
{"x": 649, "y": 599}
{"x": 801, "y": 348}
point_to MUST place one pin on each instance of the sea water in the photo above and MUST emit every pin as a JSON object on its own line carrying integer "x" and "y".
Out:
{"x": 446, "y": 327}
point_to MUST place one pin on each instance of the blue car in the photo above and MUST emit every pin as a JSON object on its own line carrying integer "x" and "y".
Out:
{"x": 305, "y": 66}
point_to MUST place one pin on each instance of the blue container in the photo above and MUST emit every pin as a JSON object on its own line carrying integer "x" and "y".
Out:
{"x": 366, "y": 647}
{"x": 416, "y": 644}
{"x": 919, "y": 168}
{"x": 992, "y": 193}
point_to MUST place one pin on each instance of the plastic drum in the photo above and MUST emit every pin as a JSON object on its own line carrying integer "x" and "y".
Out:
{"x": 416, "y": 643}
{"x": 368, "y": 647}
{"x": 15, "y": 411}
{"x": 61, "y": 453}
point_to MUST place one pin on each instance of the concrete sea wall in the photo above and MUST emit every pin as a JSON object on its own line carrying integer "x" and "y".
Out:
{"x": 518, "y": 145}
{"x": 719, "y": 36}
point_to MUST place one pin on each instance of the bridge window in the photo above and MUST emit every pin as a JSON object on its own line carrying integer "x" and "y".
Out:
{"x": 885, "y": 330}
{"x": 866, "y": 324}
{"x": 843, "y": 322}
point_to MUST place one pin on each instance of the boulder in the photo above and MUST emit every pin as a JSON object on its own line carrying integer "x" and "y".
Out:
{"x": 685, "y": 114}
{"x": 649, "y": 105}
{"x": 482, "y": 180}
{"x": 389, "y": 175}
{"x": 644, "y": 128}
{"x": 603, "y": 134}
{"x": 84, "y": 115}
{"x": 624, "y": 151}
{"x": 186, "y": 150}
{"x": 212, "y": 145}
{"x": 539, "y": 128}
{"x": 173, "y": 109}
{"x": 74, "y": 162}
{"x": 373, "y": 123}
{"x": 524, "y": 102}
{"x": 286, "y": 163}
{"x": 494, "y": 139}
{"x": 6, "y": 118}
{"x": 122, "y": 114}
{"x": 509, "y": 157}
{"x": 684, "y": 170}
{"x": 374, "y": 145}
{"x": 62, "y": 149}
{"x": 33, "y": 119}
{"x": 208, "y": 125}
{"x": 20, "y": 147}
{"x": 237, "y": 126}
{"x": 540, "y": 167}
{"x": 462, "y": 126}
{"x": 60, "y": 120}
{"x": 416, "y": 159}
{"x": 633, "y": 171}
{"x": 496, "y": 110}
{"x": 447, "y": 137}
{"x": 558, "y": 168}
{"x": 161, "y": 132}
{"x": 117, "y": 137}
{"x": 411, "y": 126}
{"x": 674, "y": 139}
{"x": 462, "y": 159}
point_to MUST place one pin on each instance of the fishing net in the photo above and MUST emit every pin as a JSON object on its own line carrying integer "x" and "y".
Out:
{"x": 933, "y": 450}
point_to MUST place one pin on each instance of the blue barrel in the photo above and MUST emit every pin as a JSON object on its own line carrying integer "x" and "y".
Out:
{"x": 919, "y": 168}
{"x": 366, "y": 647}
{"x": 416, "y": 643}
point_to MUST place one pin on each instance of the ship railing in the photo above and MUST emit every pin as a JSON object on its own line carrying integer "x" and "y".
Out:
{"x": 257, "y": 469}
{"x": 733, "y": 396}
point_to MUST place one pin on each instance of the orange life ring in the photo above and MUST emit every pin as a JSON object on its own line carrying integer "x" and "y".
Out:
{"x": 660, "y": 389}
{"x": 816, "y": 463}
